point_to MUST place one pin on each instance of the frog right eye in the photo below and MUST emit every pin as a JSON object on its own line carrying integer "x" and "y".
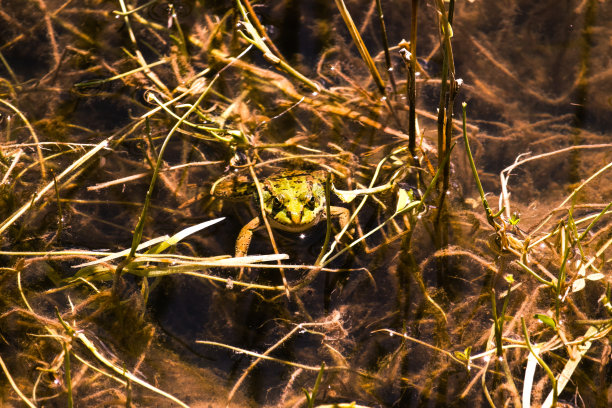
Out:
{"x": 277, "y": 204}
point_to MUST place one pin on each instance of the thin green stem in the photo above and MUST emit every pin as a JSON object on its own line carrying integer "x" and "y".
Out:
{"x": 315, "y": 389}
{"x": 496, "y": 325}
{"x": 560, "y": 283}
{"x": 592, "y": 223}
{"x": 140, "y": 225}
{"x": 485, "y": 203}
{"x": 9, "y": 69}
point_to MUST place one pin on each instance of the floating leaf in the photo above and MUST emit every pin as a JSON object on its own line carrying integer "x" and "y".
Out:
{"x": 547, "y": 320}
{"x": 349, "y": 195}
{"x": 578, "y": 285}
{"x": 346, "y": 195}
{"x": 404, "y": 199}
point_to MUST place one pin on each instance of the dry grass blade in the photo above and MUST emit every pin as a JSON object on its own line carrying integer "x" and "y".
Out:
{"x": 41, "y": 159}
{"x": 14, "y": 385}
{"x": 381, "y": 285}
{"x": 81, "y": 161}
{"x": 363, "y": 50}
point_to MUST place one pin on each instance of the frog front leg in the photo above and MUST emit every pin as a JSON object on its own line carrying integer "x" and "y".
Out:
{"x": 244, "y": 238}
{"x": 343, "y": 215}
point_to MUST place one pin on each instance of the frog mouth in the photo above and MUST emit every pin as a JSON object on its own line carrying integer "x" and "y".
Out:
{"x": 290, "y": 224}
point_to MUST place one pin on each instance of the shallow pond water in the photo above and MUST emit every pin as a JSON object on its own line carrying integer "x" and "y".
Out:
{"x": 117, "y": 118}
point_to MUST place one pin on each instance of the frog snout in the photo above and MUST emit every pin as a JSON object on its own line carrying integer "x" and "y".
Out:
{"x": 296, "y": 217}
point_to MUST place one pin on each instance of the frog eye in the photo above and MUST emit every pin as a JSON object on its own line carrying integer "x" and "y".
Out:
{"x": 277, "y": 204}
{"x": 311, "y": 203}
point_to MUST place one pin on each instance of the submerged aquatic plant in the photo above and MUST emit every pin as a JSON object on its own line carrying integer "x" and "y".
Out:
{"x": 148, "y": 104}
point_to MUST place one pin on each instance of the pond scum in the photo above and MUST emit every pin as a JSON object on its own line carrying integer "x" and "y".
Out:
{"x": 474, "y": 271}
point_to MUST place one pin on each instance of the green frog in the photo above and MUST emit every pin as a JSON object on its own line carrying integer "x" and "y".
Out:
{"x": 293, "y": 201}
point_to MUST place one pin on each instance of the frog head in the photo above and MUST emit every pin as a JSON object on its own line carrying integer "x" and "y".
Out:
{"x": 293, "y": 201}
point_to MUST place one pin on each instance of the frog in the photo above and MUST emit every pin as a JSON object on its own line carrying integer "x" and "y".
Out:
{"x": 293, "y": 200}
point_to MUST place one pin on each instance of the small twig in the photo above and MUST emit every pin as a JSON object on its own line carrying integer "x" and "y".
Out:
{"x": 14, "y": 385}
{"x": 41, "y": 159}
{"x": 383, "y": 32}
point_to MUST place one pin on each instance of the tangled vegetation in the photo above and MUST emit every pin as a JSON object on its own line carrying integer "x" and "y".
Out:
{"x": 469, "y": 143}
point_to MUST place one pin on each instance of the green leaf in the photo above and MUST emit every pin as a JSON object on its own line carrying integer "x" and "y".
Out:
{"x": 461, "y": 356}
{"x": 546, "y": 320}
{"x": 404, "y": 198}
{"x": 465, "y": 355}
{"x": 308, "y": 399}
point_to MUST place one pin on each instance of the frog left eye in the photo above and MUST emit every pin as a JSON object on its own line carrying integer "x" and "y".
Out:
{"x": 311, "y": 203}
